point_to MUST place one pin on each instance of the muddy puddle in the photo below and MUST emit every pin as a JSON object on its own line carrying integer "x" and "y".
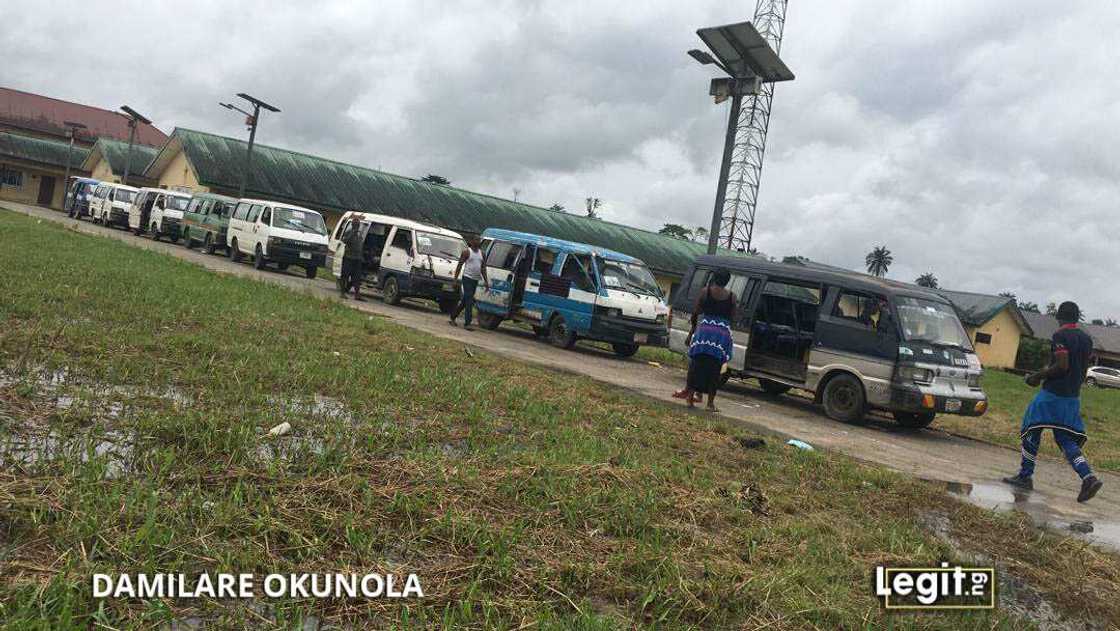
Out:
{"x": 1040, "y": 508}
{"x": 115, "y": 449}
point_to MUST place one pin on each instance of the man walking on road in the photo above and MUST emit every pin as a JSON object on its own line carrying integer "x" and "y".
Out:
{"x": 1058, "y": 406}
{"x": 470, "y": 263}
{"x": 352, "y": 260}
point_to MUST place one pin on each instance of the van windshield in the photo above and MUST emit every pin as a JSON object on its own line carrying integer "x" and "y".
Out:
{"x": 439, "y": 245}
{"x": 177, "y": 203}
{"x": 301, "y": 220}
{"x": 932, "y": 322}
{"x": 632, "y": 277}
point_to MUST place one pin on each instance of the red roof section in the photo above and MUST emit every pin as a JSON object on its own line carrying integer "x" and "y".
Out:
{"x": 46, "y": 114}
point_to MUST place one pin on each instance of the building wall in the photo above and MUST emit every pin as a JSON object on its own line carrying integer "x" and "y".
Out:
{"x": 1005, "y": 332}
{"x": 179, "y": 174}
{"x": 102, "y": 171}
{"x": 28, "y": 191}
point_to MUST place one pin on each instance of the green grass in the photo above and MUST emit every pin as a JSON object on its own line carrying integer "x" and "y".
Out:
{"x": 521, "y": 497}
{"x": 1009, "y": 397}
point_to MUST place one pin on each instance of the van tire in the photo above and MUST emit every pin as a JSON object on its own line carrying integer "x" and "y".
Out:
{"x": 773, "y": 387}
{"x": 258, "y": 257}
{"x": 914, "y": 420}
{"x": 560, "y": 334}
{"x": 1091, "y": 381}
{"x": 311, "y": 271}
{"x": 234, "y": 252}
{"x": 391, "y": 294}
{"x": 844, "y": 400}
{"x": 282, "y": 266}
{"x": 540, "y": 331}
{"x": 622, "y": 349}
{"x": 488, "y": 321}
{"x": 208, "y": 244}
{"x": 188, "y": 242}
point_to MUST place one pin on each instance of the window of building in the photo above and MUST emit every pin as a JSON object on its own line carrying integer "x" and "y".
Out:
{"x": 983, "y": 338}
{"x": 11, "y": 177}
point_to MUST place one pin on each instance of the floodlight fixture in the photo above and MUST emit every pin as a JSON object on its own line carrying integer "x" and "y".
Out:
{"x": 701, "y": 56}
{"x": 257, "y": 102}
{"x": 134, "y": 117}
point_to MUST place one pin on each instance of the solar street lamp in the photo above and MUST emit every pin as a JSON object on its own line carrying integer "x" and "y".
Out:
{"x": 134, "y": 118}
{"x": 251, "y": 120}
{"x": 749, "y": 61}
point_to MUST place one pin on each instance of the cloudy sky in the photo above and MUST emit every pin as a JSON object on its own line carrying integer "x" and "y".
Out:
{"x": 977, "y": 140}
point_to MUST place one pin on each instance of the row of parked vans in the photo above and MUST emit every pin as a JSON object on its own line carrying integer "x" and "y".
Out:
{"x": 854, "y": 341}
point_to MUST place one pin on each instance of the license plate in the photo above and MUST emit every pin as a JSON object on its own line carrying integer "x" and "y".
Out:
{"x": 640, "y": 338}
{"x": 952, "y": 405}
{"x": 304, "y": 255}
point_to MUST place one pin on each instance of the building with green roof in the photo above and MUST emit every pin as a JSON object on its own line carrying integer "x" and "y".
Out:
{"x": 194, "y": 160}
{"x": 107, "y": 158}
{"x": 32, "y": 168}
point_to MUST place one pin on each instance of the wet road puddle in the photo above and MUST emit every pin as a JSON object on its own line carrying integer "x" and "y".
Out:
{"x": 1040, "y": 508}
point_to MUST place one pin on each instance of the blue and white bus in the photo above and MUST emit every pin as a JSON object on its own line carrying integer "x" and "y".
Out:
{"x": 568, "y": 291}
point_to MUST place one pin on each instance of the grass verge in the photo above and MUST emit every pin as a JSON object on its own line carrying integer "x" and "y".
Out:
{"x": 138, "y": 390}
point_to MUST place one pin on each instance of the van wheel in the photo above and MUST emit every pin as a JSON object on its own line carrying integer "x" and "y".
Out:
{"x": 624, "y": 350}
{"x": 188, "y": 242}
{"x": 1091, "y": 381}
{"x": 446, "y": 305}
{"x": 258, "y": 257}
{"x": 208, "y": 244}
{"x": 392, "y": 292}
{"x": 560, "y": 334}
{"x": 914, "y": 420}
{"x": 773, "y": 387}
{"x": 234, "y": 253}
{"x": 488, "y": 321}
{"x": 540, "y": 331}
{"x": 844, "y": 400}
{"x": 282, "y": 266}
{"x": 311, "y": 271}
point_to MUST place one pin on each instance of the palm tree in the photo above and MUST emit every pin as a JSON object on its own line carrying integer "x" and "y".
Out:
{"x": 926, "y": 280}
{"x": 879, "y": 260}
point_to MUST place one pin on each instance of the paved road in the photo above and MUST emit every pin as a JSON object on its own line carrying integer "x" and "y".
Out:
{"x": 973, "y": 467}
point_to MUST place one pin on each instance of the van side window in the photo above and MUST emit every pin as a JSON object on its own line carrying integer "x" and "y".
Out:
{"x": 402, "y": 239}
{"x": 858, "y": 309}
{"x": 503, "y": 254}
{"x": 254, "y": 212}
{"x": 577, "y": 269}
{"x": 545, "y": 260}
{"x": 242, "y": 211}
{"x": 266, "y": 217}
{"x": 195, "y": 206}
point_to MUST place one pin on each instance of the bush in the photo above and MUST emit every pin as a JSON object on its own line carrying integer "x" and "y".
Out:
{"x": 1034, "y": 354}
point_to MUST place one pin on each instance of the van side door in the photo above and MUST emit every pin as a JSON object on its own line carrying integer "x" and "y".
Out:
{"x": 335, "y": 247}
{"x": 399, "y": 252}
{"x": 855, "y": 328}
{"x": 501, "y": 261}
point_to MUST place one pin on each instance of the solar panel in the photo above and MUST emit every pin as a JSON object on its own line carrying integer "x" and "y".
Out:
{"x": 744, "y": 52}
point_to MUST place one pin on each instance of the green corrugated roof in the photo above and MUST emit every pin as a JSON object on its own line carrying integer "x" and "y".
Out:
{"x": 116, "y": 152}
{"x": 328, "y": 185}
{"x": 975, "y": 309}
{"x": 47, "y": 152}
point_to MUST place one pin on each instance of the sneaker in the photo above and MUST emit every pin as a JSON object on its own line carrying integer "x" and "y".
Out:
{"x": 1020, "y": 481}
{"x": 467, "y": 327}
{"x": 452, "y": 322}
{"x": 359, "y": 299}
{"x": 1089, "y": 488}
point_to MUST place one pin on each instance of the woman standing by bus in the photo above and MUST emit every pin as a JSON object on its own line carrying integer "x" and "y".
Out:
{"x": 709, "y": 340}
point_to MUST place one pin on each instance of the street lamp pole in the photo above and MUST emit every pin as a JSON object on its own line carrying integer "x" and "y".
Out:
{"x": 251, "y": 119}
{"x": 72, "y": 128}
{"x": 134, "y": 118}
{"x": 724, "y": 170}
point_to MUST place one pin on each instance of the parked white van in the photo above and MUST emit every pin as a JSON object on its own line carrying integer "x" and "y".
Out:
{"x": 403, "y": 258}
{"x": 274, "y": 232}
{"x": 159, "y": 212}
{"x": 110, "y": 202}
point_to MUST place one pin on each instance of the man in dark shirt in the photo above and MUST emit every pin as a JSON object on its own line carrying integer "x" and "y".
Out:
{"x": 1058, "y": 406}
{"x": 352, "y": 259}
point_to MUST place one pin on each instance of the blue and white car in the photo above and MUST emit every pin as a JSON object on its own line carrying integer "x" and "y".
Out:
{"x": 569, "y": 291}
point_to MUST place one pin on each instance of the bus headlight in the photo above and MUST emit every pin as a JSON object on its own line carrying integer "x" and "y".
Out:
{"x": 915, "y": 374}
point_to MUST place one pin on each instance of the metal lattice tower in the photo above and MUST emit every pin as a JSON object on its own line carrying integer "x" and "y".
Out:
{"x": 737, "y": 225}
